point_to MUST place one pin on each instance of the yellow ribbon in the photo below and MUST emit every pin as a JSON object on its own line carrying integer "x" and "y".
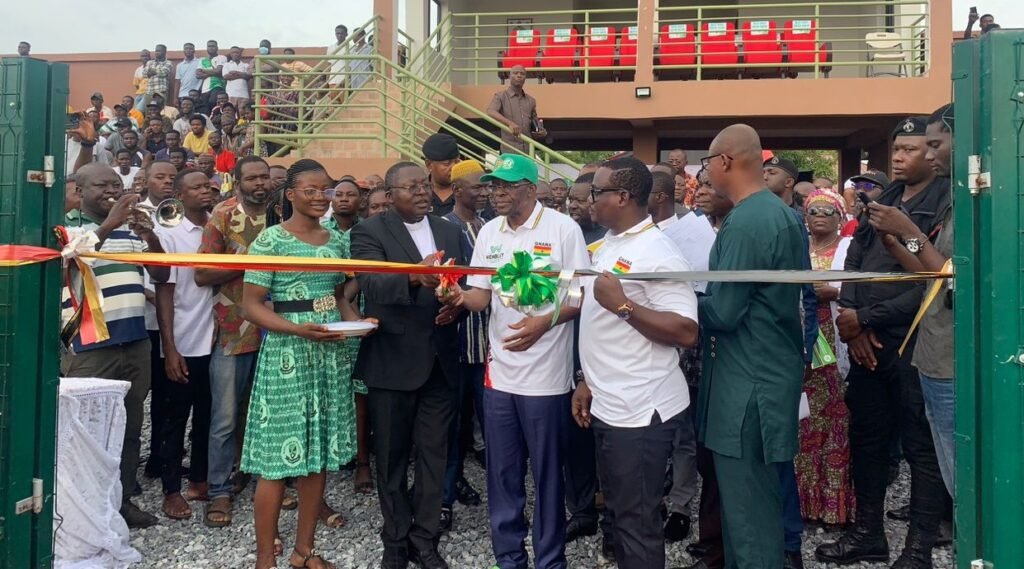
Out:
{"x": 933, "y": 292}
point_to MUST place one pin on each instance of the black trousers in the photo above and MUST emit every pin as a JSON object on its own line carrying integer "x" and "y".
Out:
{"x": 882, "y": 402}
{"x": 158, "y": 383}
{"x": 632, "y": 465}
{"x": 179, "y": 400}
{"x": 580, "y": 471}
{"x": 401, "y": 419}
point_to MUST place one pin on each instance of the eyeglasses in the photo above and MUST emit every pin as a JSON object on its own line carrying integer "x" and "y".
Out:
{"x": 313, "y": 193}
{"x": 596, "y": 191}
{"x": 864, "y": 186}
{"x": 823, "y": 211}
{"x": 502, "y": 189}
{"x": 706, "y": 161}
{"x": 415, "y": 188}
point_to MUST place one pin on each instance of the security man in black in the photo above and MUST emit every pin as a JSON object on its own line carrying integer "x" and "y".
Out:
{"x": 883, "y": 390}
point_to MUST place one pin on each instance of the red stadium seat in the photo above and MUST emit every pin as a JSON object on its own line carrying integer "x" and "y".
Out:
{"x": 677, "y": 46}
{"x": 801, "y": 40}
{"x": 599, "y": 51}
{"x": 523, "y": 48}
{"x": 627, "y": 47}
{"x": 761, "y": 46}
{"x": 561, "y": 49}
{"x": 718, "y": 47}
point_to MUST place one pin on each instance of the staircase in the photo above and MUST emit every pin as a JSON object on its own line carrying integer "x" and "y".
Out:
{"x": 385, "y": 112}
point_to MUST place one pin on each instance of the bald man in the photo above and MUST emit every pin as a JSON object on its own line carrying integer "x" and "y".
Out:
{"x": 753, "y": 353}
{"x": 517, "y": 110}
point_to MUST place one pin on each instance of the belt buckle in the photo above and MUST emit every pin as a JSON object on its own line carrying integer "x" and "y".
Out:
{"x": 324, "y": 303}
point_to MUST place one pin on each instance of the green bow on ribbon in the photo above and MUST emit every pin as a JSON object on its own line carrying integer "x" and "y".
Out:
{"x": 518, "y": 285}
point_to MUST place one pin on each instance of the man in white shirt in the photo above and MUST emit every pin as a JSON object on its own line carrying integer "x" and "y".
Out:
{"x": 185, "y": 73}
{"x": 337, "y": 76}
{"x": 237, "y": 75}
{"x": 633, "y": 393}
{"x": 185, "y": 314}
{"x": 526, "y": 401}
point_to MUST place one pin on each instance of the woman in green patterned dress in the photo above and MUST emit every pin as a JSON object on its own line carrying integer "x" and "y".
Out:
{"x": 301, "y": 415}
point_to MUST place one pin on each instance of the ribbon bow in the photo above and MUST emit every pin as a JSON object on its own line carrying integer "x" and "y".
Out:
{"x": 519, "y": 286}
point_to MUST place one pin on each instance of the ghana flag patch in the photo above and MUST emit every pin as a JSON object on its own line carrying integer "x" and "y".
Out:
{"x": 621, "y": 266}
{"x": 542, "y": 249}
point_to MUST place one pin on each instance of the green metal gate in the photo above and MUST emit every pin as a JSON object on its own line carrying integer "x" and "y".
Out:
{"x": 33, "y": 106}
{"x": 988, "y": 90}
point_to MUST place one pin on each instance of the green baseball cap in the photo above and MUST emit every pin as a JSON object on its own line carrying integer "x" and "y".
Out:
{"x": 513, "y": 168}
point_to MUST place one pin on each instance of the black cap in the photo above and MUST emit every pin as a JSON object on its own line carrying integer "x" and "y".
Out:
{"x": 911, "y": 126}
{"x": 123, "y": 123}
{"x": 120, "y": 106}
{"x": 783, "y": 164}
{"x": 440, "y": 147}
{"x": 874, "y": 176}
{"x": 153, "y": 104}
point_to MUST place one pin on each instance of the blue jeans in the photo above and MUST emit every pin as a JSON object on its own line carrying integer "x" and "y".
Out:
{"x": 939, "y": 403}
{"x": 229, "y": 377}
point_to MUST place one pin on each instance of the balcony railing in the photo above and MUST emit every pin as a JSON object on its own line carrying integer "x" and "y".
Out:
{"x": 793, "y": 39}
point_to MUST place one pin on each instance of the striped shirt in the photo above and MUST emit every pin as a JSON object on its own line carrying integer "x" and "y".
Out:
{"x": 472, "y": 330}
{"x": 124, "y": 299}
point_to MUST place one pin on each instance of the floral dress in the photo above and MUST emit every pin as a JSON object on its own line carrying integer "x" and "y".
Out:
{"x": 302, "y": 411}
{"x": 823, "y": 463}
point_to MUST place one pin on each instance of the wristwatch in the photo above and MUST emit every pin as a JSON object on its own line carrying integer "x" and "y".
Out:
{"x": 624, "y": 312}
{"x": 913, "y": 245}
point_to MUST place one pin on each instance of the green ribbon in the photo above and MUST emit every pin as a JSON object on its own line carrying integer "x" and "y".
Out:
{"x": 518, "y": 285}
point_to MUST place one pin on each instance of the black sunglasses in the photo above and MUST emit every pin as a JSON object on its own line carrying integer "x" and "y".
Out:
{"x": 706, "y": 161}
{"x": 825, "y": 211}
{"x": 596, "y": 191}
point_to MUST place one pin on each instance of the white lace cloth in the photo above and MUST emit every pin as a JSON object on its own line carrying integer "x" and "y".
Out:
{"x": 90, "y": 533}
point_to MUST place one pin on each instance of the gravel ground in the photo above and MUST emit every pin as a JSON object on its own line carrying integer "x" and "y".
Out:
{"x": 190, "y": 544}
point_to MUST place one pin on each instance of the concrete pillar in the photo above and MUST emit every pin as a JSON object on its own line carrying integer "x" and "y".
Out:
{"x": 879, "y": 157}
{"x": 645, "y": 144}
{"x": 849, "y": 165}
{"x": 387, "y": 28}
{"x": 417, "y": 21}
{"x": 646, "y": 12}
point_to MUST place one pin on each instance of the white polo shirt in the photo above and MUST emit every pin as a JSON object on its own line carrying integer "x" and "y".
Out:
{"x": 694, "y": 235}
{"x": 545, "y": 368}
{"x": 193, "y": 305}
{"x": 630, "y": 376}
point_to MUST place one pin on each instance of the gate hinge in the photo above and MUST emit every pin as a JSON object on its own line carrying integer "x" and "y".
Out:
{"x": 33, "y": 503}
{"x": 976, "y": 179}
{"x": 46, "y": 177}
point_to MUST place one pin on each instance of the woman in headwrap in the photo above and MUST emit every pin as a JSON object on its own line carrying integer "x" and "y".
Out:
{"x": 823, "y": 463}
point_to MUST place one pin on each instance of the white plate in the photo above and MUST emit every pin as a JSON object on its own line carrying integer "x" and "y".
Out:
{"x": 354, "y": 328}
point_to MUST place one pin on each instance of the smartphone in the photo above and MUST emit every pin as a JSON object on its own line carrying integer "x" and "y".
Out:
{"x": 974, "y": 9}
{"x": 72, "y": 121}
{"x": 863, "y": 196}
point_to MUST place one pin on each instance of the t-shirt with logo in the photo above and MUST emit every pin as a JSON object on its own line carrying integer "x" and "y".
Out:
{"x": 631, "y": 376}
{"x": 546, "y": 367}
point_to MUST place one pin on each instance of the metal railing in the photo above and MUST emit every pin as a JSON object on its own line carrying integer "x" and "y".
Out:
{"x": 696, "y": 42}
{"x": 385, "y": 109}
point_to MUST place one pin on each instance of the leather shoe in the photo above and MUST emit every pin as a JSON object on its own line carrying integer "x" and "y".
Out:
{"x": 793, "y": 560}
{"x": 447, "y": 518}
{"x": 465, "y": 493}
{"x": 428, "y": 559}
{"x": 677, "y": 527}
{"x": 901, "y": 514}
{"x": 135, "y": 517}
{"x": 395, "y": 558}
{"x": 579, "y": 527}
{"x": 607, "y": 547}
{"x": 853, "y": 546}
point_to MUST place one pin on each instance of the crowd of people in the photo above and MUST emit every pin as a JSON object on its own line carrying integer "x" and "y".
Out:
{"x": 786, "y": 401}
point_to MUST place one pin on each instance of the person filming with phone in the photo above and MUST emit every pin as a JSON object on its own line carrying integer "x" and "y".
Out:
{"x": 987, "y": 23}
{"x": 517, "y": 110}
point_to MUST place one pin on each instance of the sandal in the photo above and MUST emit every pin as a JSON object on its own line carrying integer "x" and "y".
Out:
{"x": 289, "y": 502}
{"x": 313, "y": 554}
{"x": 364, "y": 485}
{"x": 176, "y": 508}
{"x": 220, "y": 506}
{"x": 331, "y": 518}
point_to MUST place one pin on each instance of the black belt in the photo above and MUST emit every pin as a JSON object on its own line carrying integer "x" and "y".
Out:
{"x": 322, "y": 304}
